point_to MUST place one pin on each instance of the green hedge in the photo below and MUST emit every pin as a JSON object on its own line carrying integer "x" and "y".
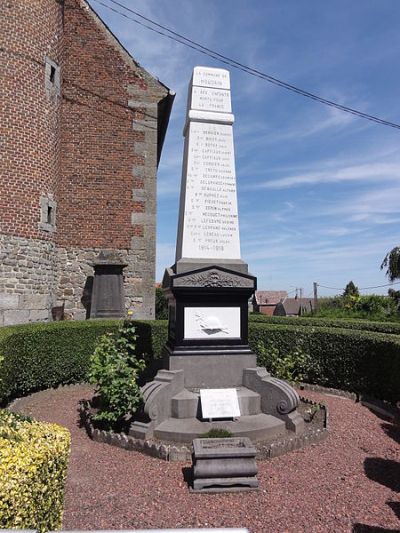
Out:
{"x": 33, "y": 466}
{"x": 39, "y": 356}
{"x": 360, "y": 361}
{"x": 45, "y": 355}
{"x": 343, "y": 323}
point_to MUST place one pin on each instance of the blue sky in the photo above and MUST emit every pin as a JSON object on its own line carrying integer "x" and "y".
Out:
{"x": 318, "y": 189}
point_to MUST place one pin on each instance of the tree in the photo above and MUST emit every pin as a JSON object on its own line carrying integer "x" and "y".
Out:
{"x": 351, "y": 290}
{"x": 392, "y": 264}
{"x": 396, "y": 297}
{"x": 161, "y": 305}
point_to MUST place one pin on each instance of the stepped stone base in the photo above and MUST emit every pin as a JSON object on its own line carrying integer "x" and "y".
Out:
{"x": 267, "y": 409}
{"x": 257, "y": 427}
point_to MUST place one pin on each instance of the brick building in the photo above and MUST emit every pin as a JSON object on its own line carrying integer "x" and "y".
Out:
{"x": 81, "y": 130}
{"x": 265, "y": 301}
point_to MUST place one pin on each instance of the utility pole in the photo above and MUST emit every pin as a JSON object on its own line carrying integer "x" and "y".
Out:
{"x": 315, "y": 284}
{"x": 301, "y": 292}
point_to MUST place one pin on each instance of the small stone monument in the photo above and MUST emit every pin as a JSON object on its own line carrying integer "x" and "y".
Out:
{"x": 221, "y": 465}
{"x": 208, "y": 289}
{"x": 108, "y": 286}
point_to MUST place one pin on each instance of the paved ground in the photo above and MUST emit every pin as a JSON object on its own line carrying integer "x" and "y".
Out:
{"x": 349, "y": 482}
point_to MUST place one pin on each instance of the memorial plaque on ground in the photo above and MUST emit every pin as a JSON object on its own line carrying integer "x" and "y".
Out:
{"x": 219, "y": 403}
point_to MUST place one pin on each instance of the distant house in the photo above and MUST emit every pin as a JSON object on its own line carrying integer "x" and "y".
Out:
{"x": 293, "y": 307}
{"x": 265, "y": 301}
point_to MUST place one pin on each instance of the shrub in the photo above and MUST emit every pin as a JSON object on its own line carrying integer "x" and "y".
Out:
{"x": 114, "y": 368}
{"x": 352, "y": 305}
{"x": 342, "y": 323}
{"x": 33, "y": 466}
{"x": 359, "y": 361}
{"x": 351, "y": 290}
{"x": 161, "y": 305}
{"x": 348, "y": 354}
{"x": 39, "y": 356}
{"x": 289, "y": 366}
{"x": 217, "y": 433}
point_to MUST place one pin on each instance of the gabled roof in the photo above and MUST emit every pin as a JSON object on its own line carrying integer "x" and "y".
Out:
{"x": 270, "y": 297}
{"x": 126, "y": 56}
{"x": 292, "y": 306}
{"x": 166, "y": 96}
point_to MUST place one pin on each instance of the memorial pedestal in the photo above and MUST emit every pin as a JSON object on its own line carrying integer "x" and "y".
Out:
{"x": 208, "y": 324}
{"x": 208, "y": 290}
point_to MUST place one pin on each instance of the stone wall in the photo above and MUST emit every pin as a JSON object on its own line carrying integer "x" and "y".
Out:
{"x": 27, "y": 279}
{"x": 75, "y": 281}
{"x": 37, "y": 275}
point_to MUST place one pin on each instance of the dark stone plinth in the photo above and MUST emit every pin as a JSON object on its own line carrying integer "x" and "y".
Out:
{"x": 224, "y": 464}
{"x": 208, "y": 362}
{"x": 212, "y": 368}
{"x": 108, "y": 286}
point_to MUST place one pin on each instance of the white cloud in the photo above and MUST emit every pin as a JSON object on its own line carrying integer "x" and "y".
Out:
{"x": 367, "y": 172}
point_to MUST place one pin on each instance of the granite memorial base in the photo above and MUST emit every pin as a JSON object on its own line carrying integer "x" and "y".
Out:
{"x": 208, "y": 289}
{"x": 224, "y": 465}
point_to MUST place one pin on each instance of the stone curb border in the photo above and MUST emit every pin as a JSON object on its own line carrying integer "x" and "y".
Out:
{"x": 176, "y": 452}
{"x": 290, "y": 444}
{"x": 380, "y": 407}
{"x": 327, "y": 390}
{"x": 168, "y": 452}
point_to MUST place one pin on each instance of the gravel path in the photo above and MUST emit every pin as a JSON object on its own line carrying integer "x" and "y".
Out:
{"x": 349, "y": 482}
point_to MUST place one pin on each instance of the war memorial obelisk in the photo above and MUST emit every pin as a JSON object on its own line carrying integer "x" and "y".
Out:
{"x": 208, "y": 289}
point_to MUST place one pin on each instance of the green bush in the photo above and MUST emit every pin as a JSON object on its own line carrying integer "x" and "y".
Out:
{"x": 114, "y": 368}
{"x": 353, "y": 355}
{"x": 342, "y": 323}
{"x": 217, "y": 433}
{"x": 39, "y": 356}
{"x": 161, "y": 305}
{"x": 360, "y": 361}
{"x": 33, "y": 467}
{"x": 352, "y": 306}
{"x": 288, "y": 366}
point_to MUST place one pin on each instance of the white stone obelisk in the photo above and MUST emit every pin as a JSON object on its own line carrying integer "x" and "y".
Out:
{"x": 208, "y": 229}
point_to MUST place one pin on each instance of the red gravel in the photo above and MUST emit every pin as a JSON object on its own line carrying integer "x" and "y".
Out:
{"x": 349, "y": 482}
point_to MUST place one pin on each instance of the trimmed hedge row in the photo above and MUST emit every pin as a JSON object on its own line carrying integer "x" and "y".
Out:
{"x": 39, "y": 356}
{"x": 45, "y": 355}
{"x": 33, "y": 467}
{"x": 343, "y": 323}
{"x": 359, "y": 361}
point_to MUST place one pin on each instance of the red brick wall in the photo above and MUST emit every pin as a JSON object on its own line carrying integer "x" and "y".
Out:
{"x": 95, "y": 201}
{"x": 29, "y": 125}
{"x": 267, "y": 309}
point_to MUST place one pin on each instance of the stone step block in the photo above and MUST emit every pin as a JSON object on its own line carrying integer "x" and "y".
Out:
{"x": 186, "y": 404}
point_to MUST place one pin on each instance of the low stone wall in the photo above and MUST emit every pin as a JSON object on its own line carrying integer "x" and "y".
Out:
{"x": 183, "y": 452}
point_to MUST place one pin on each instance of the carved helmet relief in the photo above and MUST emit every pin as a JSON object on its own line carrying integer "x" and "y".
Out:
{"x": 211, "y": 324}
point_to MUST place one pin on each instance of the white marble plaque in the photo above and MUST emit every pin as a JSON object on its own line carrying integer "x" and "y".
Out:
{"x": 219, "y": 403}
{"x": 208, "y": 217}
{"x": 210, "y": 222}
{"x": 217, "y": 78}
{"x": 206, "y": 99}
{"x": 211, "y": 323}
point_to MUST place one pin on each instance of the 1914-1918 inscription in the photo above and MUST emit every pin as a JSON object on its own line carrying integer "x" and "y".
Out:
{"x": 209, "y": 227}
{"x": 211, "y": 216}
